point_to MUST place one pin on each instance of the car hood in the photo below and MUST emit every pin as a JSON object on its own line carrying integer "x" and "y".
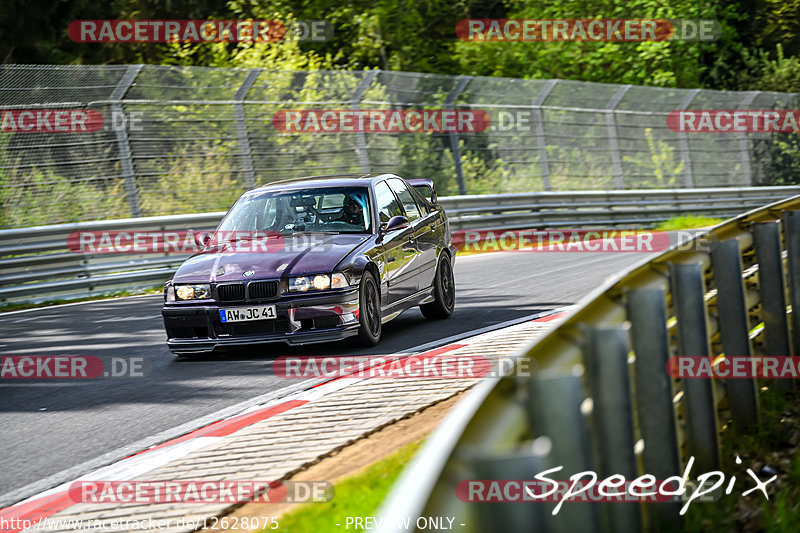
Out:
{"x": 301, "y": 254}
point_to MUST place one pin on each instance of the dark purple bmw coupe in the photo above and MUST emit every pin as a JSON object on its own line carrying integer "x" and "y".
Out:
{"x": 313, "y": 260}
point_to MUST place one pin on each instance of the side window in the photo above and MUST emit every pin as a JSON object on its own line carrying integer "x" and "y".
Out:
{"x": 421, "y": 198}
{"x": 387, "y": 203}
{"x": 409, "y": 205}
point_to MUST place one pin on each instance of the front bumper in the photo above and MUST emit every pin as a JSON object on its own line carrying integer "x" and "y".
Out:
{"x": 301, "y": 319}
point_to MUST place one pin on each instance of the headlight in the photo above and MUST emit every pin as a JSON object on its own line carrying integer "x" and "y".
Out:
{"x": 339, "y": 281}
{"x": 193, "y": 292}
{"x": 322, "y": 282}
{"x": 169, "y": 294}
{"x": 301, "y": 284}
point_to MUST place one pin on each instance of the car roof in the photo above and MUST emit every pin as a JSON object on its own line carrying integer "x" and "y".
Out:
{"x": 333, "y": 180}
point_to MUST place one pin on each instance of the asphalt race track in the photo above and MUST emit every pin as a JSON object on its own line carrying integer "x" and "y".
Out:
{"x": 51, "y": 425}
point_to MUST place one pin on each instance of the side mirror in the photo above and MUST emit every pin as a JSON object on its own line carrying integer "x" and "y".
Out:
{"x": 396, "y": 222}
{"x": 427, "y": 190}
{"x": 203, "y": 239}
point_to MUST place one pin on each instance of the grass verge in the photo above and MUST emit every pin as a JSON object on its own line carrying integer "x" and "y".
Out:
{"x": 687, "y": 222}
{"x": 357, "y": 495}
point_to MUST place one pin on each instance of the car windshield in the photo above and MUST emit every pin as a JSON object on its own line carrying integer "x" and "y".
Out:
{"x": 315, "y": 210}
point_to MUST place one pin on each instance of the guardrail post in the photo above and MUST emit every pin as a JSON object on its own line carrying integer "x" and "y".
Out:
{"x": 606, "y": 354}
{"x": 688, "y": 293}
{"x": 772, "y": 291}
{"x": 791, "y": 229}
{"x": 455, "y": 149}
{"x": 241, "y": 127}
{"x": 510, "y": 516}
{"x": 647, "y": 312}
{"x": 613, "y": 136}
{"x": 732, "y": 312}
{"x": 123, "y": 144}
{"x": 555, "y": 412}
{"x": 538, "y": 124}
{"x": 355, "y": 104}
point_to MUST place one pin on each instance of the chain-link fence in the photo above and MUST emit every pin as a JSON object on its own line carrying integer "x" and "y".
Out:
{"x": 190, "y": 139}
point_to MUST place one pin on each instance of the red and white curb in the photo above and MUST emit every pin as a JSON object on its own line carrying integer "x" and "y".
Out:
{"x": 47, "y": 503}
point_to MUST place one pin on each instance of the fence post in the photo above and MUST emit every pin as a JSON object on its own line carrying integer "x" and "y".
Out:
{"x": 241, "y": 127}
{"x": 744, "y": 146}
{"x": 791, "y": 229}
{"x": 554, "y": 410}
{"x": 683, "y": 143}
{"x": 123, "y": 144}
{"x": 732, "y": 311}
{"x": 772, "y": 292}
{"x": 613, "y": 136}
{"x": 647, "y": 312}
{"x": 455, "y": 149}
{"x": 538, "y": 124}
{"x": 355, "y": 104}
{"x": 606, "y": 354}
{"x": 688, "y": 292}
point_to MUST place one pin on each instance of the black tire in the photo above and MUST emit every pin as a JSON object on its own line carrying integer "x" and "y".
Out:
{"x": 369, "y": 311}
{"x": 444, "y": 291}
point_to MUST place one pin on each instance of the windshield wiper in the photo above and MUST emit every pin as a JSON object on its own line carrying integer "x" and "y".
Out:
{"x": 320, "y": 232}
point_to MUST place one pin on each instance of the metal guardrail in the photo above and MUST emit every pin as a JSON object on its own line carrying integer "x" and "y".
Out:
{"x": 35, "y": 263}
{"x": 601, "y": 398}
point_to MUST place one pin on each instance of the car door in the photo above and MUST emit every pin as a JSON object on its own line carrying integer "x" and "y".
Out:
{"x": 424, "y": 232}
{"x": 400, "y": 249}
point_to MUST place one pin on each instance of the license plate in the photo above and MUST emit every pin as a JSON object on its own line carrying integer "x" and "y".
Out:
{"x": 245, "y": 314}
